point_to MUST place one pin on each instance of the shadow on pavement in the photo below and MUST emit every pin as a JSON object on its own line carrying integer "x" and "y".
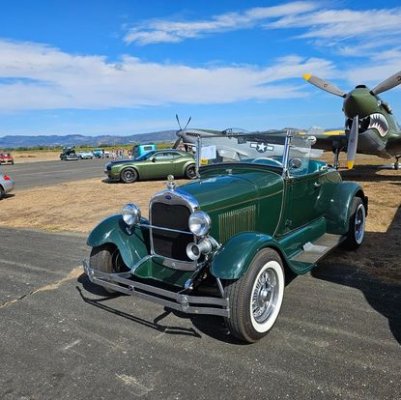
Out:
{"x": 210, "y": 325}
{"x": 382, "y": 297}
{"x": 374, "y": 269}
{"x": 101, "y": 303}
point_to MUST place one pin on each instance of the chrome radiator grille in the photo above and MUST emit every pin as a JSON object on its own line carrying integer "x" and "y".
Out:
{"x": 168, "y": 243}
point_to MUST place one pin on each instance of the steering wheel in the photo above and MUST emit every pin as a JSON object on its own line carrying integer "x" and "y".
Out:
{"x": 268, "y": 161}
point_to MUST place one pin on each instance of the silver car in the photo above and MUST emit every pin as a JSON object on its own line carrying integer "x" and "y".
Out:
{"x": 6, "y": 185}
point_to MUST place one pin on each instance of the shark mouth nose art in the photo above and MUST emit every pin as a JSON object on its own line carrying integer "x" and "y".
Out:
{"x": 377, "y": 121}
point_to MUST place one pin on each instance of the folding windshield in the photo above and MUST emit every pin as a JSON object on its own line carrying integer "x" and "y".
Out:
{"x": 285, "y": 152}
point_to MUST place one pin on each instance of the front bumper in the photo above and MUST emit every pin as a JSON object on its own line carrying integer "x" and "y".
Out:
{"x": 190, "y": 304}
{"x": 111, "y": 177}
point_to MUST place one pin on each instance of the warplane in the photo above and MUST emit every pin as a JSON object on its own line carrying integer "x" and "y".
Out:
{"x": 188, "y": 139}
{"x": 370, "y": 127}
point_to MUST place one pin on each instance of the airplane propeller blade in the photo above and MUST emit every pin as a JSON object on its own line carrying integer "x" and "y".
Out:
{"x": 324, "y": 85}
{"x": 178, "y": 121}
{"x": 352, "y": 142}
{"x": 189, "y": 120}
{"x": 387, "y": 84}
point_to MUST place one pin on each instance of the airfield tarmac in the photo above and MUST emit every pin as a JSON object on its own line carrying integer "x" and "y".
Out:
{"x": 338, "y": 334}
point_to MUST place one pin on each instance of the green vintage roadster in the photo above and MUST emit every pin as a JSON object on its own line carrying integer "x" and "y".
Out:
{"x": 223, "y": 244}
{"x": 152, "y": 165}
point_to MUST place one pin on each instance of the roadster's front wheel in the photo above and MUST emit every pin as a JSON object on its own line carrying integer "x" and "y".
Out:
{"x": 107, "y": 258}
{"x": 255, "y": 299}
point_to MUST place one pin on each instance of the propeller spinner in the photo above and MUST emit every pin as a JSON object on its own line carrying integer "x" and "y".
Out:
{"x": 350, "y": 99}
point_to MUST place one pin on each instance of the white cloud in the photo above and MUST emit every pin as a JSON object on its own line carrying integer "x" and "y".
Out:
{"x": 336, "y": 29}
{"x": 36, "y": 76}
{"x": 158, "y": 31}
{"x": 344, "y": 24}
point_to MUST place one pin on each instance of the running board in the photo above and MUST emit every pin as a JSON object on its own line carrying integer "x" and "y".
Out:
{"x": 314, "y": 251}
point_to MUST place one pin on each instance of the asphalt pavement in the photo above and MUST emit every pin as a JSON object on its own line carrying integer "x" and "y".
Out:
{"x": 46, "y": 173}
{"x": 338, "y": 336}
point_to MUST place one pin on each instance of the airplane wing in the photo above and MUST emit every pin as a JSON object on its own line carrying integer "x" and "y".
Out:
{"x": 325, "y": 139}
{"x": 328, "y": 140}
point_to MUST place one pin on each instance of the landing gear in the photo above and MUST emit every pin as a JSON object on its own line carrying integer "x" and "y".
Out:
{"x": 397, "y": 163}
{"x": 336, "y": 152}
{"x": 337, "y": 149}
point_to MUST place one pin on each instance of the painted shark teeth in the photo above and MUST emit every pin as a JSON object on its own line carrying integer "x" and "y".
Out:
{"x": 378, "y": 121}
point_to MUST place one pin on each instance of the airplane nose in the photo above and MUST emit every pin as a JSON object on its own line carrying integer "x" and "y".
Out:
{"x": 360, "y": 102}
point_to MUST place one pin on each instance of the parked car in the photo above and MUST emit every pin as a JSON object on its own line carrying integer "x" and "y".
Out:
{"x": 6, "y": 185}
{"x": 6, "y": 158}
{"x": 85, "y": 155}
{"x": 101, "y": 153}
{"x": 152, "y": 165}
{"x": 68, "y": 154}
{"x": 224, "y": 243}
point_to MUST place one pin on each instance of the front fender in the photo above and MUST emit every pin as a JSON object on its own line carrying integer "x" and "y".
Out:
{"x": 233, "y": 259}
{"x": 133, "y": 244}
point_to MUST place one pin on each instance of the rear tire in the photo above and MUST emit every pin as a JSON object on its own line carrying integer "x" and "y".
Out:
{"x": 255, "y": 299}
{"x": 2, "y": 193}
{"x": 107, "y": 258}
{"x": 129, "y": 175}
{"x": 356, "y": 230}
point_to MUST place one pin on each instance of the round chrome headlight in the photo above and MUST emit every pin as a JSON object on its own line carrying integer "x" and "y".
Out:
{"x": 199, "y": 223}
{"x": 131, "y": 214}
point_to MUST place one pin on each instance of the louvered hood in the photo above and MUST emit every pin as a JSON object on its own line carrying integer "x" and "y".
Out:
{"x": 233, "y": 201}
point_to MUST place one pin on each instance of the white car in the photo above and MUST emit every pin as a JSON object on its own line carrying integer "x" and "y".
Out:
{"x": 85, "y": 155}
{"x": 6, "y": 185}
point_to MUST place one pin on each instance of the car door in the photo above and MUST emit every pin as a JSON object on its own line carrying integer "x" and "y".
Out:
{"x": 179, "y": 162}
{"x": 161, "y": 165}
{"x": 302, "y": 193}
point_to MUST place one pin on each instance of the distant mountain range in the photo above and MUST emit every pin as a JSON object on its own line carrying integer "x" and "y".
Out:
{"x": 14, "y": 141}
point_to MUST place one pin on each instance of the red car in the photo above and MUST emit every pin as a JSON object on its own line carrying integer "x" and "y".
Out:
{"x": 6, "y": 158}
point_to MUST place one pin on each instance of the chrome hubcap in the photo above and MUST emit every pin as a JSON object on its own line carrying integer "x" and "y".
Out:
{"x": 264, "y": 296}
{"x": 359, "y": 223}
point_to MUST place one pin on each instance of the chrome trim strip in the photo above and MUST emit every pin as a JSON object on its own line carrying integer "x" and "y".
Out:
{"x": 178, "y": 197}
{"x": 286, "y": 154}
{"x": 174, "y": 300}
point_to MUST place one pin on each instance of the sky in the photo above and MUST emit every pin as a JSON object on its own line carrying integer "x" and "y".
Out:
{"x": 127, "y": 66}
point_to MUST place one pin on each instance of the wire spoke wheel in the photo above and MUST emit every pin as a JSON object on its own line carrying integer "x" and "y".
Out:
{"x": 265, "y": 296}
{"x": 256, "y": 297}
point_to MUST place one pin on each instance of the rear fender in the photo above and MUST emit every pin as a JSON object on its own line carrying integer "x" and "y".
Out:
{"x": 233, "y": 259}
{"x": 340, "y": 199}
{"x": 133, "y": 244}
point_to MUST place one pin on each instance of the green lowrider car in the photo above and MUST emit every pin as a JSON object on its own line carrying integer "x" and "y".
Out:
{"x": 152, "y": 165}
{"x": 224, "y": 243}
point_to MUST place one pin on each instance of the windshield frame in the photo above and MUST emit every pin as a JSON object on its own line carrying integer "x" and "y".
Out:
{"x": 294, "y": 144}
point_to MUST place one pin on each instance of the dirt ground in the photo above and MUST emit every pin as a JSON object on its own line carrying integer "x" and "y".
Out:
{"x": 32, "y": 156}
{"x": 79, "y": 206}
